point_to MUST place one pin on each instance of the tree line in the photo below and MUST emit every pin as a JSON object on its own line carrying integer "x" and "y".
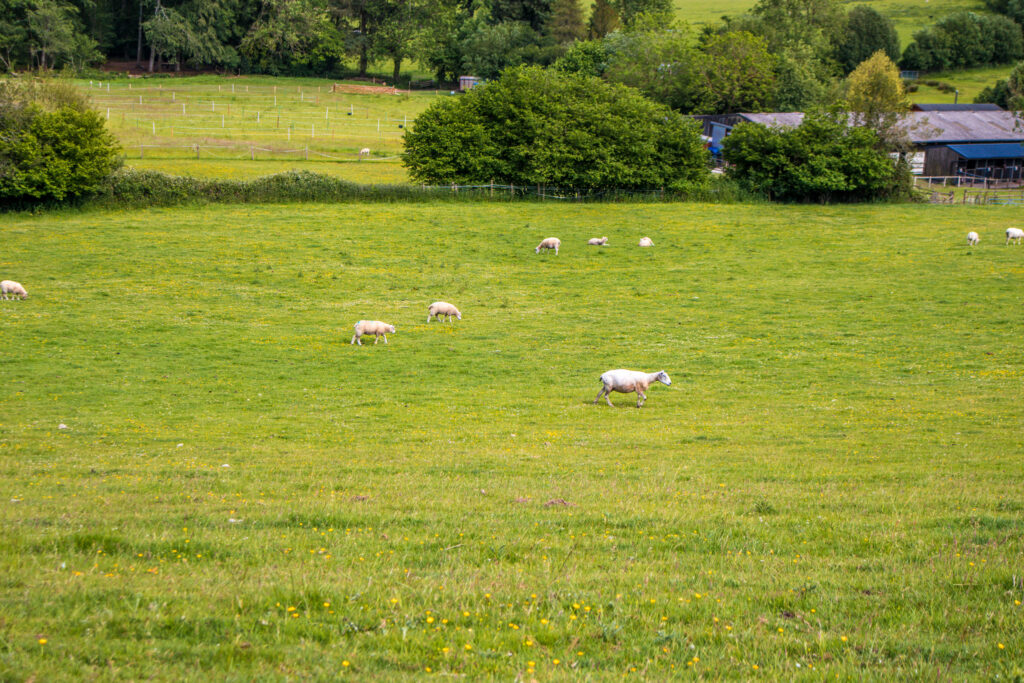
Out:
{"x": 782, "y": 54}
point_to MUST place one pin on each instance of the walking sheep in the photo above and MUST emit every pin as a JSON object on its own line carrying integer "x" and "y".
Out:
{"x": 12, "y": 288}
{"x": 597, "y": 241}
{"x": 549, "y": 243}
{"x": 972, "y": 238}
{"x": 441, "y": 309}
{"x": 364, "y": 152}
{"x": 374, "y": 327}
{"x": 628, "y": 381}
{"x": 1014, "y": 235}
{"x": 646, "y": 242}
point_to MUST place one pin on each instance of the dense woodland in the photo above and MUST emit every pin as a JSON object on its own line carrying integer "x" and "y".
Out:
{"x": 783, "y": 54}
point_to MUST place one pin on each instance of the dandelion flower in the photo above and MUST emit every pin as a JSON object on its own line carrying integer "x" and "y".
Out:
{"x": 468, "y": 647}
{"x": 345, "y": 663}
{"x": 43, "y": 641}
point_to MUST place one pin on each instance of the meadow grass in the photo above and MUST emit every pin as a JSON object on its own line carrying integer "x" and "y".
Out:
{"x": 373, "y": 172}
{"x": 830, "y": 488}
{"x": 907, "y": 16}
{"x": 970, "y": 83}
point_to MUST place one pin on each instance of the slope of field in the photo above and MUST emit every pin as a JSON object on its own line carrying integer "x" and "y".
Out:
{"x": 908, "y": 15}
{"x": 203, "y": 479}
{"x": 216, "y": 122}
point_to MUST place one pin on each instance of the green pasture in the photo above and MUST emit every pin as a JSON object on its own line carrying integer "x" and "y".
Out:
{"x": 202, "y": 479}
{"x": 970, "y": 83}
{"x": 908, "y": 16}
{"x": 369, "y": 172}
{"x": 252, "y": 118}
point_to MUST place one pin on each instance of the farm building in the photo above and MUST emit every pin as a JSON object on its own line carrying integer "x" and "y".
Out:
{"x": 467, "y": 82}
{"x": 978, "y": 140}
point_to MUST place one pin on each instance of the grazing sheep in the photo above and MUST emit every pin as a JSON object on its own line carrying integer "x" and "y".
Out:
{"x": 628, "y": 381}
{"x": 597, "y": 241}
{"x": 12, "y": 288}
{"x": 364, "y": 152}
{"x": 972, "y": 238}
{"x": 374, "y": 327}
{"x": 646, "y": 242}
{"x": 441, "y": 309}
{"x": 549, "y": 243}
{"x": 1014, "y": 235}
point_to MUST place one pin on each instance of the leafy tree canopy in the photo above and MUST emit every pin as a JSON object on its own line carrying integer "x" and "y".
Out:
{"x": 540, "y": 127}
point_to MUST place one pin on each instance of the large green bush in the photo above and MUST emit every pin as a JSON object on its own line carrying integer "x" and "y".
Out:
{"x": 822, "y": 160}
{"x": 541, "y": 127}
{"x": 54, "y": 147}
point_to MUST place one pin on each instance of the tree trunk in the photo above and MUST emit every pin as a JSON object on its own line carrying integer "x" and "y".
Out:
{"x": 177, "y": 63}
{"x": 152, "y": 57}
{"x": 398, "y": 70}
{"x": 138, "y": 50}
{"x": 363, "y": 59}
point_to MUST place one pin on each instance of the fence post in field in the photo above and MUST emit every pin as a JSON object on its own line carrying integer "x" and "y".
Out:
{"x": 307, "y": 152}
{"x": 492, "y": 187}
{"x": 108, "y": 113}
{"x": 140, "y": 99}
{"x": 197, "y": 151}
{"x": 154, "y": 127}
{"x": 182, "y": 108}
{"x": 141, "y": 153}
{"x": 252, "y": 153}
{"x": 312, "y": 130}
{"x": 172, "y": 96}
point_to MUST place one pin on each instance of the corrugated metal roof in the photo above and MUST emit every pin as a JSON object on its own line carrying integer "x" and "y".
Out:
{"x": 957, "y": 107}
{"x": 1011, "y": 150}
{"x": 932, "y": 127}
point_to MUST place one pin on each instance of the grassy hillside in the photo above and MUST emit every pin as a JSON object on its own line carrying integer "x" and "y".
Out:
{"x": 203, "y": 479}
{"x": 908, "y": 15}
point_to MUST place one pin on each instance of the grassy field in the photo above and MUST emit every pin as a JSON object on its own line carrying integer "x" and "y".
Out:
{"x": 909, "y": 16}
{"x": 970, "y": 83}
{"x": 223, "y": 125}
{"x": 203, "y": 479}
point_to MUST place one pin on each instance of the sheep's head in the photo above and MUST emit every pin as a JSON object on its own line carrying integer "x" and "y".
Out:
{"x": 537, "y": 250}
{"x": 458, "y": 316}
{"x": 391, "y": 330}
{"x": 664, "y": 379}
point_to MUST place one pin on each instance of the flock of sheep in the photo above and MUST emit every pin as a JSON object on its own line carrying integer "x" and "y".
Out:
{"x": 622, "y": 381}
{"x": 1012, "y": 235}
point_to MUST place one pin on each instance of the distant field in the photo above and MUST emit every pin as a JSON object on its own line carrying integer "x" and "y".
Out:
{"x": 969, "y": 82}
{"x": 372, "y": 172}
{"x": 908, "y": 15}
{"x": 260, "y": 119}
{"x": 203, "y": 480}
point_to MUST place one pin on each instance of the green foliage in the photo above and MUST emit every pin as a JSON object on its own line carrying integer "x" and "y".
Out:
{"x": 541, "y": 127}
{"x": 1008, "y": 93}
{"x": 963, "y": 40}
{"x": 876, "y": 99}
{"x": 630, "y": 12}
{"x": 822, "y": 160}
{"x": 866, "y": 32}
{"x": 737, "y": 73}
{"x": 661, "y": 62}
{"x": 55, "y": 147}
{"x": 1014, "y": 9}
{"x": 292, "y": 36}
{"x": 585, "y": 58}
{"x": 603, "y": 19}
{"x": 565, "y": 24}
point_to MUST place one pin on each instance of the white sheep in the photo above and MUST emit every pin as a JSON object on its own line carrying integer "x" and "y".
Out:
{"x": 374, "y": 327}
{"x": 628, "y": 381}
{"x": 441, "y": 309}
{"x": 646, "y": 242}
{"x": 972, "y": 238}
{"x": 12, "y": 288}
{"x": 1014, "y": 235}
{"x": 597, "y": 241}
{"x": 364, "y": 152}
{"x": 549, "y": 243}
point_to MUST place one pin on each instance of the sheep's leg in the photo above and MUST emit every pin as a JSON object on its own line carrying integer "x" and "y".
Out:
{"x": 428, "y": 318}
{"x": 640, "y": 398}
{"x": 353, "y": 339}
{"x": 376, "y": 338}
{"x": 385, "y": 339}
{"x": 599, "y": 395}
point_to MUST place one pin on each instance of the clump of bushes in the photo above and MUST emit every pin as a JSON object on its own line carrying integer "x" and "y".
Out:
{"x": 822, "y": 160}
{"x": 542, "y": 127}
{"x": 54, "y": 148}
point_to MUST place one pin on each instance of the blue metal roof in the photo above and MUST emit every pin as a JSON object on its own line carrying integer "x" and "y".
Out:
{"x": 1006, "y": 150}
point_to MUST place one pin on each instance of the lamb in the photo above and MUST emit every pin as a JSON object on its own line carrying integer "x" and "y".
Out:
{"x": 364, "y": 152}
{"x": 597, "y": 241}
{"x": 12, "y": 288}
{"x": 972, "y": 238}
{"x": 628, "y": 381}
{"x": 1014, "y": 235}
{"x": 646, "y": 242}
{"x": 549, "y": 243}
{"x": 374, "y": 327}
{"x": 441, "y": 309}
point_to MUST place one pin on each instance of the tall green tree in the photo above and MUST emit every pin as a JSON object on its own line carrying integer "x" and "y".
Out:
{"x": 13, "y": 31}
{"x": 603, "y": 19}
{"x": 536, "y": 126}
{"x": 565, "y": 24}
{"x": 865, "y": 33}
{"x": 292, "y": 36}
{"x": 663, "y": 63}
{"x": 737, "y": 73}
{"x": 876, "y": 99}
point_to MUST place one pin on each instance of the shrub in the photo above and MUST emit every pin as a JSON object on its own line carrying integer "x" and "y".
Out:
{"x": 541, "y": 127}
{"x": 55, "y": 147}
{"x": 822, "y": 160}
